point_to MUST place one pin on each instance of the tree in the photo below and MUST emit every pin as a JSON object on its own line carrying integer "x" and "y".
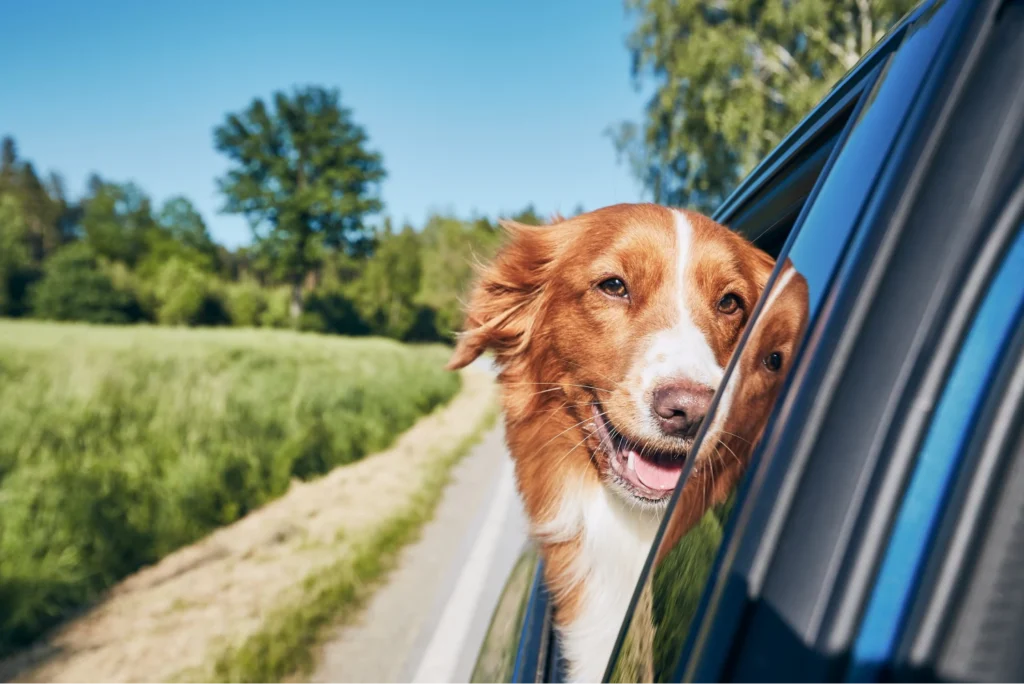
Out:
{"x": 184, "y": 224}
{"x": 388, "y": 285}
{"x": 186, "y": 295}
{"x": 732, "y": 77}
{"x": 304, "y": 177}
{"x": 117, "y": 221}
{"x": 178, "y": 233}
{"x": 15, "y": 263}
{"x": 450, "y": 248}
{"x": 43, "y": 210}
{"x": 42, "y": 213}
{"x": 8, "y": 158}
{"x": 68, "y": 213}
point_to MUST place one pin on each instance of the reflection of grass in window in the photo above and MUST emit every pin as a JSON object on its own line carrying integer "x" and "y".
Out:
{"x": 678, "y": 585}
{"x": 496, "y": 659}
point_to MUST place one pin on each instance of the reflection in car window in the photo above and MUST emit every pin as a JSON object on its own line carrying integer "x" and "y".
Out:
{"x": 694, "y": 530}
{"x": 496, "y": 659}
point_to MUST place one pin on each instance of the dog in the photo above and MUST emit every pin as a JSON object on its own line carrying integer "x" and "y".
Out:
{"x": 610, "y": 331}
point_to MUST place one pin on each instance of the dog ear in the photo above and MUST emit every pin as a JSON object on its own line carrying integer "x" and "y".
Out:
{"x": 507, "y": 299}
{"x": 765, "y": 264}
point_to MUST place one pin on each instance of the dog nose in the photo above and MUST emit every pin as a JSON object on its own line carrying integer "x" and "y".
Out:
{"x": 680, "y": 407}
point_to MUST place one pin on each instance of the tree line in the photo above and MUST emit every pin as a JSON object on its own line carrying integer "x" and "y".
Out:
{"x": 730, "y": 78}
{"x": 303, "y": 176}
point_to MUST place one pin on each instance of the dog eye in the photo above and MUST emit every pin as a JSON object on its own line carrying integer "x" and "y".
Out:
{"x": 729, "y": 304}
{"x": 614, "y": 287}
{"x": 773, "y": 362}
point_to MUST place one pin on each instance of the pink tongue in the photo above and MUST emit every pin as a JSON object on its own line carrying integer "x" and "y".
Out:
{"x": 656, "y": 476}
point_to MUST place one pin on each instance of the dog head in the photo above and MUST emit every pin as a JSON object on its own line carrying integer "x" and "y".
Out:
{"x": 617, "y": 324}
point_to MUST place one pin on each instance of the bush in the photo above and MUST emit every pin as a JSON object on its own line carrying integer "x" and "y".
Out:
{"x": 74, "y": 288}
{"x": 126, "y": 281}
{"x": 424, "y": 327}
{"x": 119, "y": 446}
{"x": 187, "y": 296}
{"x": 246, "y": 301}
{"x": 276, "y": 313}
{"x": 331, "y": 311}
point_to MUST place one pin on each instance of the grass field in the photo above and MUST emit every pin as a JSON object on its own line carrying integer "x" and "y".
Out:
{"x": 119, "y": 445}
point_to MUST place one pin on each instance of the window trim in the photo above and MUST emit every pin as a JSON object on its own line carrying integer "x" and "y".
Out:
{"x": 937, "y": 459}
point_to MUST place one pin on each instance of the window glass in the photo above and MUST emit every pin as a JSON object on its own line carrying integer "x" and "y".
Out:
{"x": 691, "y": 537}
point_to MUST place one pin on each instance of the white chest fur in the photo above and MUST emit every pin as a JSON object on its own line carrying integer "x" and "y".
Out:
{"x": 616, "y": 539}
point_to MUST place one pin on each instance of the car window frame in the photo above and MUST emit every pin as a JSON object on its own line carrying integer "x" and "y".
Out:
{"x": 945, "y": 637}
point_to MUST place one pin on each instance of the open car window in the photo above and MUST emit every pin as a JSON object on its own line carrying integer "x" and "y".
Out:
{"x": 660, "y": 627}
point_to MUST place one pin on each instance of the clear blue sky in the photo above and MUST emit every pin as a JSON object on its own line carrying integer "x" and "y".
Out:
{"x": 478, "y": 106}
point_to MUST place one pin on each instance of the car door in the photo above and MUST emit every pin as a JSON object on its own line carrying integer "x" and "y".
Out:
{"x": 963, "y": 618}
{"x": 776, "y": 584}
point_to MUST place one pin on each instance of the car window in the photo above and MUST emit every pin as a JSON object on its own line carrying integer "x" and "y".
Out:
{"x": 693, "y": 532}
{"x": 669, "y": 596}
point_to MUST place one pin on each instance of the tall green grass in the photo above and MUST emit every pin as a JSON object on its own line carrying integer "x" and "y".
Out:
{"x": 119, "y": 445}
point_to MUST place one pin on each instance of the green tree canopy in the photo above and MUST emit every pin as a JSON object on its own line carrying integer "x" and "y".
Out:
{"x": 390, "y": 281}
{"x": 185, "y": 225}
{"x": 15, "y": 263}
{"x": 178, "y": 233}
{"x": 42, "y": 206}
{"x": 450, "y": 248}
{"x": 303, "y": 175}
{"x": 74, "y": 288}
{"x": 731, "y": 78}
{"x": 117, "y": 221}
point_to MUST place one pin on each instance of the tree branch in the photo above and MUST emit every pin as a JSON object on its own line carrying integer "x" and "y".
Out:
{"x": 846, "y": 57}
{"x": 781, "y": 63}
{"x": 867, "y": 25}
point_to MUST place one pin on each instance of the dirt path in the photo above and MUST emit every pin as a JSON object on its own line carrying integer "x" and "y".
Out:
{"x": 177, "y": 615}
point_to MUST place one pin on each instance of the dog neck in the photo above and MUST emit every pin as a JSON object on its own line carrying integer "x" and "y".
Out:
{"x": 594, "y": 544}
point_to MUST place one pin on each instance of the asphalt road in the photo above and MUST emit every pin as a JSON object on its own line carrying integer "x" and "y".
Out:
{"x": 428, "y": 622}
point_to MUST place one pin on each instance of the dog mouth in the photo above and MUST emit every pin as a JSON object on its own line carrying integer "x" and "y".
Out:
{"x": 647, "y": 474}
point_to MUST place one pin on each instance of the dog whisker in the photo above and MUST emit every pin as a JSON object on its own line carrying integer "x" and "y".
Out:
{"x": 733, "y": 434}
{"x": 574, "y": 425}
{"x": 560, "y": 385}
{"x": 734, "y": 454}
{"x": 588, "y": 371}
